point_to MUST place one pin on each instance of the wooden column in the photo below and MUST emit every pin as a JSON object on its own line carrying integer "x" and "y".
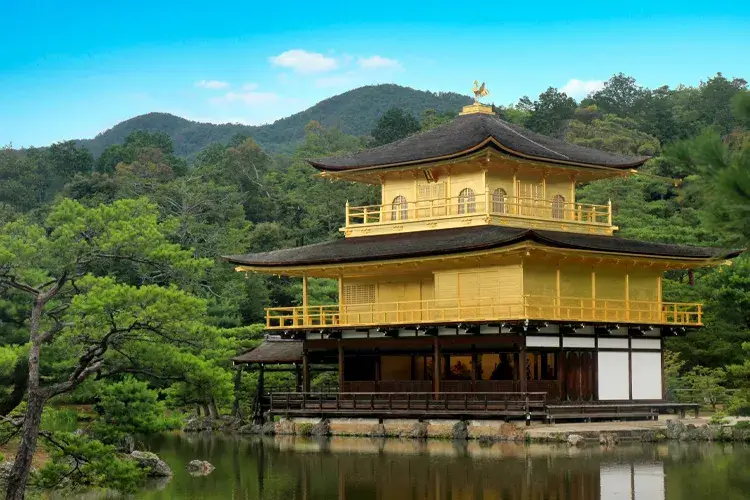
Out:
{"x": 305, "y": 309}
{"x": 593, "y": 294}
{"x": 341, "y": 368}
{"x": 342, "y": 306}
{"x": 305, "y": 372}
{"x": 627, "y": 296}
{"x": 522, "y": 367}
{"x": 298, "y": 377}
{"x": 557, "y": 291}
{"x": 474, "y": 368}
{"x": 436, "y": 366}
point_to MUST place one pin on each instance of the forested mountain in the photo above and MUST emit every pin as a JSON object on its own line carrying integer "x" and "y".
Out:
{"x": 354, "y": 113}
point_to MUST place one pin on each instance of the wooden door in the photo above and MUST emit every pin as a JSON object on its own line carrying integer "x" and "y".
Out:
{"x": 578, "y": 382}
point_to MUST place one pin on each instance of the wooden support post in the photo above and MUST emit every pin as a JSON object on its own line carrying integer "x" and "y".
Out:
{"x": 627, "y": 296}
{"x": 522, "y": 367}
{"x": 342, "y": 305}
{"x": 305, "y": 308}
{"x": 557, "y": 292}
{"x": 474, "y": 368}
{"x": 305, "y": 372}
{"x": 298, "y": 377}
{"x": 436, "y": 366}
{"x": 341, "y": 367}
{"x": 593, "y": 294}
{"x": 609, "y": 212}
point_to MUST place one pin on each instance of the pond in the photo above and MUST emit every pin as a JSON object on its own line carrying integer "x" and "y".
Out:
{"x": 296, "y": 468}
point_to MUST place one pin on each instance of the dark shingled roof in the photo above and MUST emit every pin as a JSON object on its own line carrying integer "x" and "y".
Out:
{"x": 273, "y": 351}
{"x": 465, "y": 239}
{"x": 469, "y": 133}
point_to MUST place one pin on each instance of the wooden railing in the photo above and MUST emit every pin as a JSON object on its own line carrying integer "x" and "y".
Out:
{"x": 479, "y": 204}
{"x": 408, "y": 403}
{"x": 532, "y": 307}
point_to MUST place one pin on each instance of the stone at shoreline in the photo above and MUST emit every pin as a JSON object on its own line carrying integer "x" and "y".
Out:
{"x": 228, "y": 423}
{"x": 460, "y": 430}
{"x": 199, "y": 468}
{"x": 418, "y": 431}
{"x": 126, "y": 444}
{"x": 576, "y": 440}
{"x": 608, "y": 439}
{"x": 151, "y": 463}
{"x": 200, "y": 424}
{"x": 284, "y": 427}
{"x": 322, "y": 428}
{"x": 378, "y": 431}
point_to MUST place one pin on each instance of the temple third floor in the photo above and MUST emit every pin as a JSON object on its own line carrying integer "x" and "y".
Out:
{"x": 485, "y": 190}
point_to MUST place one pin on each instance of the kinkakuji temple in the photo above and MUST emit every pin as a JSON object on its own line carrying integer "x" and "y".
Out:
{"x": 479, "y": 286}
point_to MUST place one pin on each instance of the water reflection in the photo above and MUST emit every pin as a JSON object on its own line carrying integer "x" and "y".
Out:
{"x": 289, "y": 468}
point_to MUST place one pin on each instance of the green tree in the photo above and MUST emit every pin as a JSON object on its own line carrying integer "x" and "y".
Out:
{"x": 547, "y": 114}
{"x": 395, "y": 124}
{"x": 102, "y": 324}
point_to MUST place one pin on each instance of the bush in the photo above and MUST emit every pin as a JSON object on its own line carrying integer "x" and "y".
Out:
{"x": 742, "y": 425}
{"x": 78, "y": 462}
{"x": 719, "y": 418}
{"x": 129, "y": 407}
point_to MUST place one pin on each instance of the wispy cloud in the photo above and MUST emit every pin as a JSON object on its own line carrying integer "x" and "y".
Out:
{"x": 378, "y": 62}
{"x": 302, "y": 61}
{"x": 212, "y": 84}
{"x": 579, "y": 89}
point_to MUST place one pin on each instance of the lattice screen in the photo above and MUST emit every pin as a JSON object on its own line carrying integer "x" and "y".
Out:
{"x": 359, "y": 293}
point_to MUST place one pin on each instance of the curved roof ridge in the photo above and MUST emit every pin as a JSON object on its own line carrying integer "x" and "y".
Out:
{"x": 465, "y": 135}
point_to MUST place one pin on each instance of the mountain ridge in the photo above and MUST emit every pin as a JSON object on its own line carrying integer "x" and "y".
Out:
{"x": 354, "y": 112}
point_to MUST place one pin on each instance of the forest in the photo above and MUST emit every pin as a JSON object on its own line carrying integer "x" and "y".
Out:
{"x": 115, "y": 304}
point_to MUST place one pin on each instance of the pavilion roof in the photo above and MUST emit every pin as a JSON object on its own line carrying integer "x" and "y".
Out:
{"x": 465, "y": 239}
{"x": 272, "y": 351}
{"x": 470, "y": 133}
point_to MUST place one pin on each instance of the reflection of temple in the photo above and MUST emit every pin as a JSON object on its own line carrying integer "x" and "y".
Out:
{"x": 507, "y": 472}
{"x": 480, "y": 272}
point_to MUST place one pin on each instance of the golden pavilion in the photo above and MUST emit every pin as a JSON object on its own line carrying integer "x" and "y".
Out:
{"x": 479, "y": 282}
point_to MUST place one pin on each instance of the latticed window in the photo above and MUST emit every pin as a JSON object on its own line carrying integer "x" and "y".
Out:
{"x": 498, "y": 200}
{"x": 359, "y": 293}
{"x": 558, "y": 207}
{"x": 467, "y": 203}
{"x": 400, "y": 209}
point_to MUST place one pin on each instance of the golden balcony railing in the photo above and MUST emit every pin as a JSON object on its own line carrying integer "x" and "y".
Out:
{"x": 530, "y": 307}
{"x": 479, "y": 204}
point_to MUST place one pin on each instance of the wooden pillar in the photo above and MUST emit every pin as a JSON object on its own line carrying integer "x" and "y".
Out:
{"x": 305, "y": 308}
{"x": 298, "y": 377}
{"x": 659, "y": 307}
{"x": 341, "y": 368}
{"x": 557, "y": 292}
{"x": 627, "y": 296}
{"x": 593, "y": 294}
{"x": 522, "y": 367}
{"x": 305, "y": 372}
{"x": 474, "y": 368}
{"x": 342, "y": 305}
{"x": 436, "y": 366}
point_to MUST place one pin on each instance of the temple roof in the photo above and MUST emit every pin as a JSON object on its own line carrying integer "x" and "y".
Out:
{"x": 465, "y": 239}
{"x": 273, "y": 351}
{"x": 470, "y": 133}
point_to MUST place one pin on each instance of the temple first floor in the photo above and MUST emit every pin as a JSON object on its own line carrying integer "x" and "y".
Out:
{"x": 472, "y": 371}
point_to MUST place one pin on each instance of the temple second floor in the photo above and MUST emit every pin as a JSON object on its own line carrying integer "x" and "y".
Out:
{"x": 484, "y": 275}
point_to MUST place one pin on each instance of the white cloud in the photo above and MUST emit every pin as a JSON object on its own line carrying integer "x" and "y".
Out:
{"x": 249, "y": 87}
{"x": 248, "y": 98}
{"x": 211, "y": 84}
{"x": 377, "y": 62}
{"x": 581, "y": 88}
{"x": 303, "y": 61}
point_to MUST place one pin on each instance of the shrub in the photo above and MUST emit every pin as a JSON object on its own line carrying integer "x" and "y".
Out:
{"x": 719, "y": 418}
{"x": 742, "y": 425}
{"x": 129, "y": 407}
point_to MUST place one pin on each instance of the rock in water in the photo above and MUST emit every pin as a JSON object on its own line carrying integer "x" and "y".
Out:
{"x": 608, "y": 439}
{"x": 153, "y": 465}
{"x": 576, "y": 440}
{"x": 199, "y": 468}
{"x": 460, "y": 430}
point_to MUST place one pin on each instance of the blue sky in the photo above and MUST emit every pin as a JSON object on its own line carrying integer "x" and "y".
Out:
{"x": 73, "y": 69}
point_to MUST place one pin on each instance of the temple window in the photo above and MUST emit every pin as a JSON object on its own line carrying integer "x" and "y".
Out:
{"x": 467, "y": 201}
{"x": 498, "y": 201}
{"x": 400, "y": 208}
{"x": 558, "y": 207}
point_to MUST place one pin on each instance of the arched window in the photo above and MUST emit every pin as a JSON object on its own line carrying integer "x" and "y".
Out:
{"x": 467, "y": 203}
{"x": 558, "y": 207}
{"x": 498, "y": 201}
{"x": 400, "y": 209}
